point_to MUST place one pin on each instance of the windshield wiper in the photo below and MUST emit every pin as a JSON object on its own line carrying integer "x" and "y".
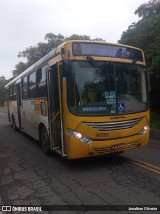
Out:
{"x": 93, "y": 62}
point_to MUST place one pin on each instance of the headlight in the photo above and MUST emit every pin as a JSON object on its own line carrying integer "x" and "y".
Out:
{"x": 81, "y": 137}
{"x": 144, "y": 130}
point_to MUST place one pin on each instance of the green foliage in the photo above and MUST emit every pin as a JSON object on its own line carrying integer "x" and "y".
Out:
{"x": 78, "y": 37}
{"x": 20, "y": 67}
{"x": 33, "y": 54}
{"x": 145, "y": 34}
{"x": 148, "y": 9}
{"x": 2, "y": 91}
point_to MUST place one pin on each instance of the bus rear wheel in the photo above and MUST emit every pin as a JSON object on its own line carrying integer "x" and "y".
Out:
{"x": 44, "y": 139}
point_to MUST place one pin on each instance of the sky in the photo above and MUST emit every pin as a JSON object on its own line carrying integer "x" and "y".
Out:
{"x": 24, "y": 23}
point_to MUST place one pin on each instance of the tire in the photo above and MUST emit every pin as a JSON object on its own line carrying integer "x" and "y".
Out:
{"x": 14, "y": 124}
{"x": 44, "y": 139}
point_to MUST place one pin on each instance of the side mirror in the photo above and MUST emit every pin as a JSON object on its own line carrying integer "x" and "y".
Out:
{"x": 66, "y": 68}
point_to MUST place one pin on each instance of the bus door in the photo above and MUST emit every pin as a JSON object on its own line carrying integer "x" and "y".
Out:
{"x": 55, "y": 108}
{"x": 18, "y": 94}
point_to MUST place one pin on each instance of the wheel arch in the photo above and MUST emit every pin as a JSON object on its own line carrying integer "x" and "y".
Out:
{"x": 44, "y": 139}
{"x": 40, "y": 126}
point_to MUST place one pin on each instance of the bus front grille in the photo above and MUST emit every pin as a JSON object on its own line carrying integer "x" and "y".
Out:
{"x": 105, "y": 150}
{"x": 118, "y": 125}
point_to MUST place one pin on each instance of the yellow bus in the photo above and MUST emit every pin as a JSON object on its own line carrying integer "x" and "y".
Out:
{"x": 83, "y": 99}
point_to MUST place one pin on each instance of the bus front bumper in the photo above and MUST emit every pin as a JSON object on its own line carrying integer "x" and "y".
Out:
{"x": 78, "y": 149}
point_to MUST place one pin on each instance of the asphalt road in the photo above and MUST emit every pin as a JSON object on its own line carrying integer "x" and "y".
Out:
{"x": 28, "y": 177}
{"x": 149, "y": 154}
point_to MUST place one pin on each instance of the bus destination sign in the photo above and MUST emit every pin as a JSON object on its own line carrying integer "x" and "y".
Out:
{"x": 106, "y": 50}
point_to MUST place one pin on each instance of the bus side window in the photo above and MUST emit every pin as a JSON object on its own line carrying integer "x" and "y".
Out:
{"x": 7, "y": 94}
{"x": 54, "y": 89}
{"x": 41, "y": 82}
{"x": 32, "y": 85}
{"x": 14, "y": 92}
{"x": 10, "y": 92}
{"x": 25, "y": 88}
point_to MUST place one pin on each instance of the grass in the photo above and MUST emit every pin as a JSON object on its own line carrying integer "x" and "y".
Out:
{"x": 155, "y": 120}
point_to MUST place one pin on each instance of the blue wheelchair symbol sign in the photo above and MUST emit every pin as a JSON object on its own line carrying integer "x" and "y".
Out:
{"x": 121, "y": 107}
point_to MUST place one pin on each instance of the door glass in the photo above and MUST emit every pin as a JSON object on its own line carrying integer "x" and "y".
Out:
{"x": 55, "y": 120}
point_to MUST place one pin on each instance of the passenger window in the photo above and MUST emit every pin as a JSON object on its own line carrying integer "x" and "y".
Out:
{"x": 32, "y": 85}
{"x": 25, "y": 87}
{"x": 10, "y": 92}
{"x": 41, "y": 82}
{"x": 14, "y": 92}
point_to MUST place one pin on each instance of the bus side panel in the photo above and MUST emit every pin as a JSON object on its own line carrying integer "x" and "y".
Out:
{"x": 40, "y": 115}
{"x": 34, "y": 112}
{"x": 27, "y": 117}
{"x": 12, "y": 111}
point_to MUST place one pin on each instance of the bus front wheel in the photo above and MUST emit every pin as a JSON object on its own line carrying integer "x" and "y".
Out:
{"x": 44, "y": 139}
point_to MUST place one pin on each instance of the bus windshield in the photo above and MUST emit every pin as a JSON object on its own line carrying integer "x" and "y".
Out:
{"x": 106, "y": 88}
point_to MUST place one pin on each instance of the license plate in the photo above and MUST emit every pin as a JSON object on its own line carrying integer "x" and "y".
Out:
{"x": 117, "y": 147}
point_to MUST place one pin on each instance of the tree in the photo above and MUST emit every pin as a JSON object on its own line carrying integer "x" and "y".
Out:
{"x": 145, "y": 34}
{"x": 148, "y": 9}
{"x": 19, "y": 68}
{"x": 78, "y": 37}
{"x": 34, "y": 53}
{"x": 2, "y": 91}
